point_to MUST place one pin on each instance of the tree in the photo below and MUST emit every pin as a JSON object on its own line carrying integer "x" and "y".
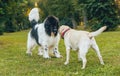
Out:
{"x": 102, "y": 12}
{"x": 80, "y": 10}
{"x": 94, "y": 13}
{"x": 12, "y": 14}
{"x": 63, "y": 9}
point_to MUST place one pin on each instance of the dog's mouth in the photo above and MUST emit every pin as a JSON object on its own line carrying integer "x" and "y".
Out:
{"x": 52, "y": 34}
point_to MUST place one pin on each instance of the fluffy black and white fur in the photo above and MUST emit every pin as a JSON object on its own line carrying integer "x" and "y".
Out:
{"x": 44, "y": 34}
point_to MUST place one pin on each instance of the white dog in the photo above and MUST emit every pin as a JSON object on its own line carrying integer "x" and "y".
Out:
{"x": 81, "y": 41}
{"x": 44, "y": 34}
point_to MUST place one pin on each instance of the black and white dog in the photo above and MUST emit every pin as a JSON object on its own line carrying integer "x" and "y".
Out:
{"x": 44, "y": 34}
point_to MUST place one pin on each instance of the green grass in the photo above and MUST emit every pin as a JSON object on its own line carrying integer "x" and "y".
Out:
{"x": 15, "y": 62}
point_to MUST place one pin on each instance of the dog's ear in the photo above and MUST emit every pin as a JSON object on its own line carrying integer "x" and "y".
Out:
{"x": 60, "y": 29}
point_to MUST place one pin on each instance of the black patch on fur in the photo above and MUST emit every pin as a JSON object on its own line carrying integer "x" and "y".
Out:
{"x": 46, "y": 49}
{"x": 51, "y": 25}
{"x": 55, "y": 52}
{"x": 34, "y": 34}
{"x": 55, "y": 48}
{"x": 33, "y": 23}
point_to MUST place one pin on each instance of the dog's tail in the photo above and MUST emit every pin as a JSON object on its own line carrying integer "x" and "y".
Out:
{"x": 34, "y": 16}
{"x": 99, "y": 31}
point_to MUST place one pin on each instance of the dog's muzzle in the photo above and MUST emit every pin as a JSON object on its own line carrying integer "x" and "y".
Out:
{"x": 52, "y": 34}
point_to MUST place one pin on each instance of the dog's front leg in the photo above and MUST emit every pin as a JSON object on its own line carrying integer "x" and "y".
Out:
{"x": 45, "y": 52}
{"x": 67, "y": 55}
{"x": 56, "y": 52}
{"x": 40, "y": 51}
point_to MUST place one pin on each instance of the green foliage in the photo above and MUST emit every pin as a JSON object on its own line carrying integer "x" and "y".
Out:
{"x": 67, "y": 21}
{"x": 1, "y": 27}
{"x": 1, "y": 30}
{"x": 104, "y": 12}
{"x": 64, "y": 10}
{"x": 15, "y": 62}
{"x": 14, "y": 13}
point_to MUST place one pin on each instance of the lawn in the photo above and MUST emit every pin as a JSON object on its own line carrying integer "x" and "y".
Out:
{"x": 15, "y": 62}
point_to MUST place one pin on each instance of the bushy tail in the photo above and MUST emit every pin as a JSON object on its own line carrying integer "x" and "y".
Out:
{"x": 99, "y": 31}
{"x": 34, "y": 16}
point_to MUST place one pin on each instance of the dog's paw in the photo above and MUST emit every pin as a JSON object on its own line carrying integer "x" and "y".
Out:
{"x": 83, "y": 68}
{"x": 29, "y": 53}
{"x": 66, "y": 63}
{"x": 102, "y": 63}
{"x": 40, "y": 54}
{"x": 46, "y": 57}
{"x": 59, "y": 56}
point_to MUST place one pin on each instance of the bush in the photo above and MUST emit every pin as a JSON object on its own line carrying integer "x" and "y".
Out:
{"x": 1, "y": 30}
{"x": 66, "y": 21}
{"x": 104, "y": 12}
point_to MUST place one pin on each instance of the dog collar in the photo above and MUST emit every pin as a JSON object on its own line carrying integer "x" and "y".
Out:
{"x": 63, "y": 33}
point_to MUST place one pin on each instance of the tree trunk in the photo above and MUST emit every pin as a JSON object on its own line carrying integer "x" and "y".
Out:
{"x": 74, "y": 23}
{"x": 85, "y": 21}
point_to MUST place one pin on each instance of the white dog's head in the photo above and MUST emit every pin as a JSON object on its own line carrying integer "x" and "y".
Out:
{"x": 63, "y": 29}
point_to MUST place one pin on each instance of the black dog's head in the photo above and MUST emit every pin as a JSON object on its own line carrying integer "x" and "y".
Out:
{"x": 51, "y": 25}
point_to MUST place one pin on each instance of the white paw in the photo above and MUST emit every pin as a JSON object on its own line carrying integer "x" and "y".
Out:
{"x": 29, "y": 53}
{"x": 66, "y": 63}
{"x": 40, "y": 54}
{"x": 102, "y": 63}
{"x": 83, "y": 68}
{"x": 59, "y": 56}
{"x": 46, "y": 57}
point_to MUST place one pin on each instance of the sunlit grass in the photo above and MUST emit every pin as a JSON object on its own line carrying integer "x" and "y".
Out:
{"x": 14, "y": 61}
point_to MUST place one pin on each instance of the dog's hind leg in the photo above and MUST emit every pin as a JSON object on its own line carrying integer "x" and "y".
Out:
{"x": 96, "y": 48}
{"x": 79, "y": 58}
{"x": 83, "y": 48}
{"x": 84, "y": 60}
{"x": 30, "y": 44}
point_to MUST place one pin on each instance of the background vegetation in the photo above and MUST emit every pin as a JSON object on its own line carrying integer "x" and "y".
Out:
{"x": 92, "y": 13}
{"x": 87, "y": 13}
